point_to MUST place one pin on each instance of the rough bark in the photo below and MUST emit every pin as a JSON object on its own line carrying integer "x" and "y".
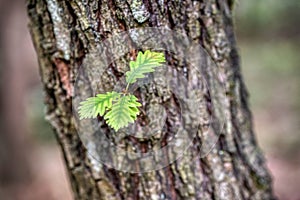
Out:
{"x": 64, "y": 32}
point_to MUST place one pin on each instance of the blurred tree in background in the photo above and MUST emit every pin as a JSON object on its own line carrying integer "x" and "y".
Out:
{"x": 266, "y": 19}
{"x": 269, "y": 38}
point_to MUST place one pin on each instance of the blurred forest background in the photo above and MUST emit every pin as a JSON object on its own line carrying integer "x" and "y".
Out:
{"x": 268, "y": 33}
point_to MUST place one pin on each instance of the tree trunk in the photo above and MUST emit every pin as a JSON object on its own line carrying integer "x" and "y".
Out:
{"x": 65, "y": 35}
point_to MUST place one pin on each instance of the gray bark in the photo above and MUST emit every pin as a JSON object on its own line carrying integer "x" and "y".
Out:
{"x": 64, "y": 33}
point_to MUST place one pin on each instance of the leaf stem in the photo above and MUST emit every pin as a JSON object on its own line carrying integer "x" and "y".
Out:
{"x": 126, "y": 89}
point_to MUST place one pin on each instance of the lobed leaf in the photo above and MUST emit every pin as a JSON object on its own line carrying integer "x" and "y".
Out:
{"x": 123, "y": 112}
{"x": 94, "y": 106}
{"x": 144, "y": 63}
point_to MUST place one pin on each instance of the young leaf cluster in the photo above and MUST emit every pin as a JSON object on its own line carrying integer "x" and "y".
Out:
{"x": 120, "y": 109}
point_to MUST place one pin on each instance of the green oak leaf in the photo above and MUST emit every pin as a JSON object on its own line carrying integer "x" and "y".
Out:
{"x": 123, "y": 112}
{"x": 144, "y": 63}
{"x": 94, "y": 106}
{"x": 120, "y": 109}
